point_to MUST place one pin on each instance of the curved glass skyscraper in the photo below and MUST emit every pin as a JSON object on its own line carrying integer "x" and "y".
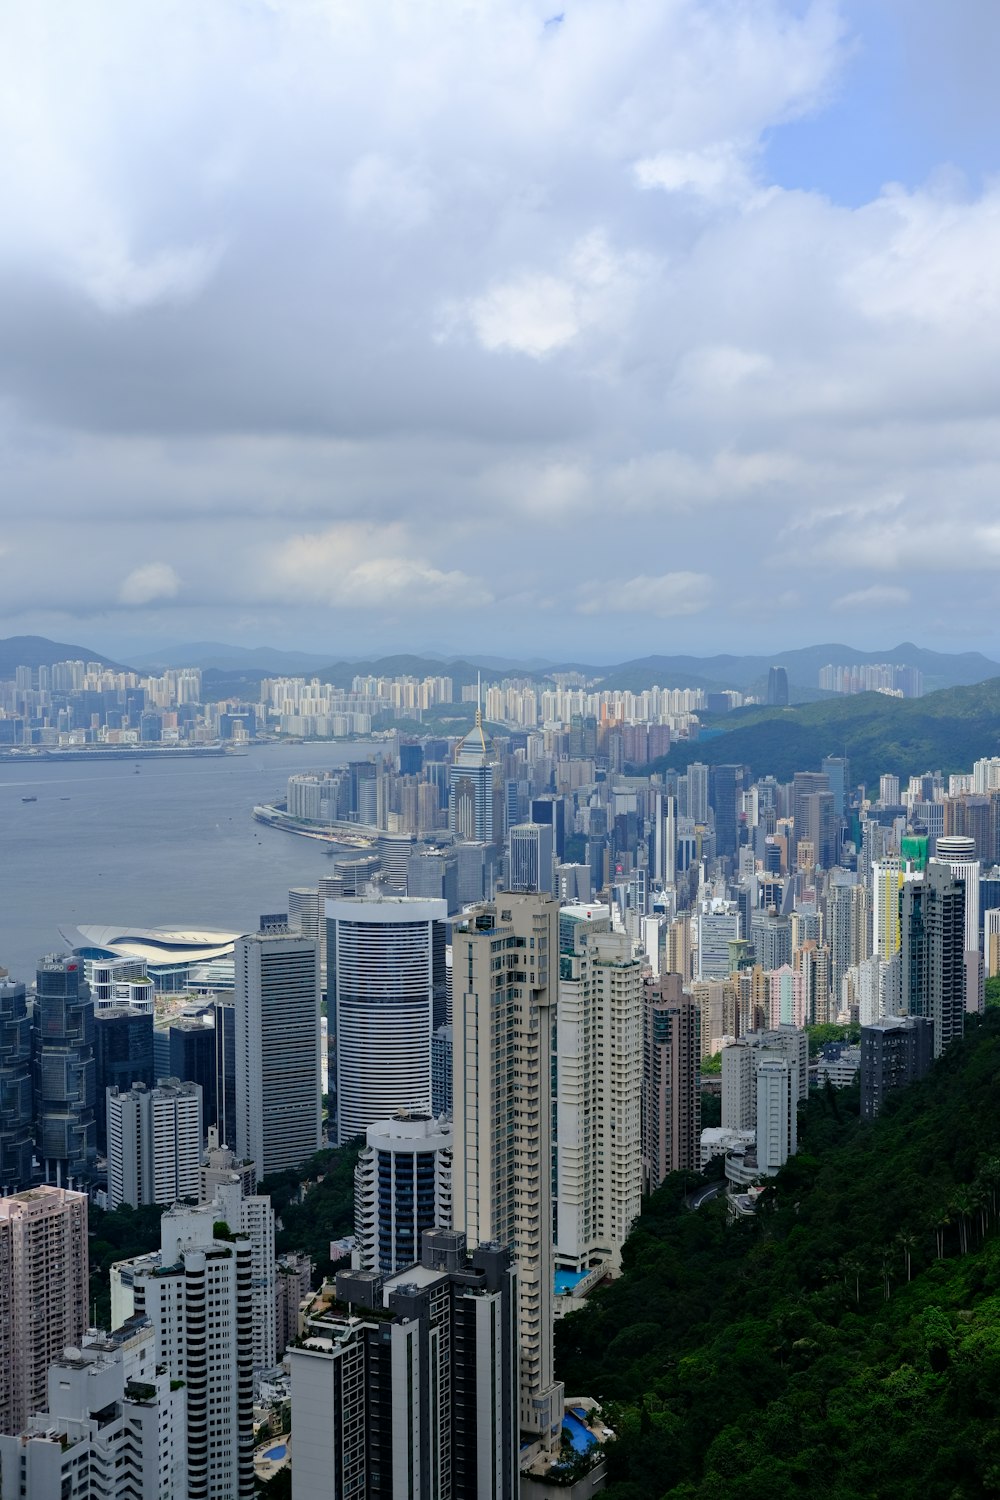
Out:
{"x": 63, "y": 1025}
{"x": 386, "y": 987}
{"x": 15, "y": 1087}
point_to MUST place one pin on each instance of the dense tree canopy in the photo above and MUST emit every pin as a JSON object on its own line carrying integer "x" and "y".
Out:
{"x": 846, "y": 1342}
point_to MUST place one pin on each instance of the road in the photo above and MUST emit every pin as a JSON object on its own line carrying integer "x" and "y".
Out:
{"x": 702, "y": 1195}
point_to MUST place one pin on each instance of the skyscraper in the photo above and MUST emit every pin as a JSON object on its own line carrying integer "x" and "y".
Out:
{"x": 671, "y": 1085}
{"x": 408, "y": 1388}
{"x": 895, "y": 1051}
{"x": 123, "y": 1055}
{"x": 387, "y": 993}
{"x": 277, "y": 1031}
{"x": 63, "y": 1046}
{"x": 932, "y": 937}
{"x": 470, "y": 787}
{"x": 16, "y": 1093}
{"x": 44, "y": 1293}
{"x": 530, "y": 857}
{"x": 402, "y": 1186}
{"x": 599, "y": 1112}
{"x": 505, "y": 974}
{"x": 777, "y": 687}
{"x": 198, "y": 1295}
{"x": 154, "y": 1143}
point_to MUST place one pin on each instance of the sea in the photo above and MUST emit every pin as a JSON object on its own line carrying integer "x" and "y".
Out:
{"x": 146, "y": 843}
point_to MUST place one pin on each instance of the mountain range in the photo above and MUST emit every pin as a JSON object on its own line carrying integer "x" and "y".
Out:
{"x": 742, "y": 673}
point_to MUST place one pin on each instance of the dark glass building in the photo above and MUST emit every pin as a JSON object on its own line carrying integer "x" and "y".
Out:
{"x": 64, "y": 1071}
{"x": 16, "y": 1094}
{"x": 123, "y": 1055}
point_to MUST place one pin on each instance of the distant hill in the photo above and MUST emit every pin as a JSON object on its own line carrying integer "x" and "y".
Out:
{"x": 218, "y": 657}
{"x": 944, "y": 731}
{"x": 749, "y": 673}
{"x": 38, "y": 651}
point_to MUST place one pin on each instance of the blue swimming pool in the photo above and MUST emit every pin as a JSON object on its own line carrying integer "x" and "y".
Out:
{"x": 566, "y": 1281}
{"x": 581, "y": 1437}
{"x": 276, "y": 1454}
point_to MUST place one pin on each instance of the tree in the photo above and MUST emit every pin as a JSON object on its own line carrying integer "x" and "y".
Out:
{"x": 907, "y": 1243}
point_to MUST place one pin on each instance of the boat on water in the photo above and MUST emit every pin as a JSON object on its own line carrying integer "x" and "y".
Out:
{"x": 29, "y": 799}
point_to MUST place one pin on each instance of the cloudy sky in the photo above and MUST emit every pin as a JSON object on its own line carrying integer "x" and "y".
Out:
{"x": 631, "y": 326}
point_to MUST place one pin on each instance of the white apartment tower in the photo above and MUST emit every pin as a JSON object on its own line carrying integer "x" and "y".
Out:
{"x": 114, "y": 1427}
{"x": 599, "y": 1061}
{"x": 198, "y": 1295}
{"x": 44, "y": 1293}
{"x": 154, "y": 1143}
{"x": 777, "y": 1107}
{"x": 277, "y": 1031}
{"x": 505, "y": 957}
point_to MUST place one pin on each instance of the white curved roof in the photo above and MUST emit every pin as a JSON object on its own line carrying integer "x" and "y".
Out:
{"x": 158, "y": 945}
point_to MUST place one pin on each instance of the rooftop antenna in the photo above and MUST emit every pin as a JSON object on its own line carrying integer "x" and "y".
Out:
{"x": 479, "y": 699}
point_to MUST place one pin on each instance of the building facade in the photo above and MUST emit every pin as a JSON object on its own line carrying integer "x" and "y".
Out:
{"x": 505, "y": 957}
{"x": 277, "y": 1035}
{"x": 402, "y": 1187}
{"x": 387, "y": 993}
{"x": 44, "y": 1293}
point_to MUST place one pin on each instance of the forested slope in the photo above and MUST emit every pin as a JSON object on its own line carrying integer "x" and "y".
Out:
{"x": 847, "y": 1343}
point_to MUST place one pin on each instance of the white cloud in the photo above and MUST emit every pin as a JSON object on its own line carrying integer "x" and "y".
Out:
{"x": 149, "y": 584}
{"x": 879, "y": 596}
{"x": 665, "y": 597}
{"x": 367, "y": 567}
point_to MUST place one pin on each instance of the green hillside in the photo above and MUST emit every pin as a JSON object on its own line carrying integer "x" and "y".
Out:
{"x": 846, "y": 1343}
{"x": 945, "y": 731}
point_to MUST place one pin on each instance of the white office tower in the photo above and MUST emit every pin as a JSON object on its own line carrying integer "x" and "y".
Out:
{"x": 402, "y": 1186}
{"x": 113, "y": 1429}
{"x": 154, "y": 1143}
{"x": 887, "y": 881}
{"x": 718, "y": 926}
{"x": 529, "y": 857}
{"x": 599, "y": 1062}
{"x": 277, "y": 1030}
{"x": 505, "y": 957}
{"x": 387, "y": 992}
{"x": 198, "y": 1295}
{"x": 777, "y": 1109}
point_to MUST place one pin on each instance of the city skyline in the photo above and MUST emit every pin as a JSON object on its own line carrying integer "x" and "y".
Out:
{"x": 709, "y": 324}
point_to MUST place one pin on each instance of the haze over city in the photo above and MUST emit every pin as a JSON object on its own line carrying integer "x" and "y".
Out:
{"x": 500, "y": 328}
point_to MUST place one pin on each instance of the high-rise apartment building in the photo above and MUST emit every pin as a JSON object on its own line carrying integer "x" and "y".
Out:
{"x": 277, "y": 1034}
{"x": 44, "y": 1293}
{"x": 408, "y": 1388}
{"x": 16, "y": 1092}
{"x": 932, "y": 952}
{"x": 387, "y": 993}
{"x": 505, "y": 969}
{"x": 718, "y": 926}
{"x": 671, "y": 1083}
{"x": 599, "y": 1062}
{"x": 402, "y": 1186}
{"x": 114, "y": 1426}
{"x": 895, "y": 1051}
{"x": 65, "y": 1080}
{"x": 198, "y": 1295}
{"x": 154, "y": 1143}
{"x": 777, "y": 1110}
{"x": 741, "y": 1063}
{"x": 887, "y": 882}
{"x": 293, "y": 1275}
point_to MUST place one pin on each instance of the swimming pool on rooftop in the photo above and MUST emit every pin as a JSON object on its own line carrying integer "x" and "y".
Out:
{"x": 566, "y": 1282}
{"x": 580, "y": 1436}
